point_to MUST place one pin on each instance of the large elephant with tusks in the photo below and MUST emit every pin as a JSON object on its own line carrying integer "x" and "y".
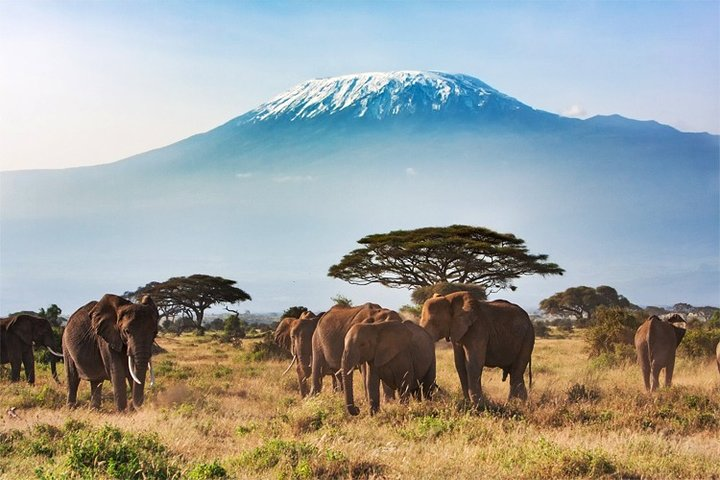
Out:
{"x": 110, "y": 339}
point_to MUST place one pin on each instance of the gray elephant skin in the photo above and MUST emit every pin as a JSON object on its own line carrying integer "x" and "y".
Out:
{"x": 483, "y": 334}
{"x": 295, "y": 335}
{"x": 656, "y": 341}
{"x": 328, "y": 341}
{"x": 17, "y": 336}
{"x": 401, "y": 355}
{"x": 110, "y": 339}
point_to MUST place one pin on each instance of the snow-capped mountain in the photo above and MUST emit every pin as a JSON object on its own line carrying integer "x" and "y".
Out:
{"x": 275, "y": 196}
{"x": 379, "y": 95}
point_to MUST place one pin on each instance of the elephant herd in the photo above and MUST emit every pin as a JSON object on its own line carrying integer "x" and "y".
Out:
{"x": 111, "y": 339}
{"x": 400, "y": 355}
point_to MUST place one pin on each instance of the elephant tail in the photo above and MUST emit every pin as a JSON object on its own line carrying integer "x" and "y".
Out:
{"x": 530, "y": 371}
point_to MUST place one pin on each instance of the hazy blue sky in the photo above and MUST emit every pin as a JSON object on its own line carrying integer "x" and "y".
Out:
{"x": 92, "y": 82}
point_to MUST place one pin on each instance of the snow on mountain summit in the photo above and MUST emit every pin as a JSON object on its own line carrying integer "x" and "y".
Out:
{"x": 380, "y": 95}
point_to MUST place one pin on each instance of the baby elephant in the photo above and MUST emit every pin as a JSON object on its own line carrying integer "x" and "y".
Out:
{"x": 401, "y": 354}
{"x": 655, "y": 343}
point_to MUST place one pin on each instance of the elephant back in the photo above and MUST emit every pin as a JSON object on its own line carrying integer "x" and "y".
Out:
{"x": 329, "y": 336}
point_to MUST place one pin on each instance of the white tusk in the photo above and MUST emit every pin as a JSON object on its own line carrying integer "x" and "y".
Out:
{"x": 56, "y": 353}
{"x": 291, "y": 364}
{"x": 132, "y": 371}
{"x": 152, "y": 373}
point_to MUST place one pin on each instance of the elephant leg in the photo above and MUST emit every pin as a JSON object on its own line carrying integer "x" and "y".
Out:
{"x": 29, "y": 363}
{"x": 427, "y": 384}
{"x": 365, "y": 378}
{"x": 73, "y": 381}
{"x": 388, "y": 393}
{"x": 317, "y": 372}
{"x": 645, "y": 366}
{"x": 474, "y": 364}
{"x": 302, "y": 382}
{"x": 669, "y": 372}
{"x": 15, "y": 358}
{"x": 373, "y": 385}
{"x": 655, "y": 377}
{"x": 459, "y": 354}
{"x": 517, "y": 384}
{"x": 95, "y": 394}
{"x": 119, "y": 390}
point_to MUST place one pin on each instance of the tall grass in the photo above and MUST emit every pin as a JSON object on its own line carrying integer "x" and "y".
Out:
{"x": 219, "y": 411}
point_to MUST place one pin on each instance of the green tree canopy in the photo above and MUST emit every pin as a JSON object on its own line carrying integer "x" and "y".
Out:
{"x": 581, "y": 302}
{"x": 191, "y": 295}
{"x": 52, "y": 314}
{"x": 457, "y": 254}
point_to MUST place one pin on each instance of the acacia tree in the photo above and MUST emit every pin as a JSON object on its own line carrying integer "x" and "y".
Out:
{"x": 581, "y": 302}
{"x": 458, "y": 254}
{"x": 191, "y": 295}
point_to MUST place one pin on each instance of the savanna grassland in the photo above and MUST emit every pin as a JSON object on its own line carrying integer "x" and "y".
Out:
{"x": 222, "y": 411}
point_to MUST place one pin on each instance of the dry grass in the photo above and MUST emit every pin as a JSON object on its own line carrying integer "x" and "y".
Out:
{"x": 212, "y": 404}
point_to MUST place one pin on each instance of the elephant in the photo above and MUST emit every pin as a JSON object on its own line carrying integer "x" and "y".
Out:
{"x": 110, "y": 339}
{"x": 295, "y": 335}
{"x": 483, "y": 334}
{"x": 301, "y": 334}
{"x": 328, "y": 341}
{"x": 17, "y": 335}
{"x": 402, "y": 355}
{"x": 656, "y": 341}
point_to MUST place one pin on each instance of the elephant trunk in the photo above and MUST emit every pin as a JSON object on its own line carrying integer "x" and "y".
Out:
{"x": 138, "y": 365}
{"x": 53, "y": 368}
{"x": 347, "y": 367}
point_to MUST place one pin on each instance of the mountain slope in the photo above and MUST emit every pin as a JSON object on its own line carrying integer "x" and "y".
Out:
{"x": 275, "y": 196}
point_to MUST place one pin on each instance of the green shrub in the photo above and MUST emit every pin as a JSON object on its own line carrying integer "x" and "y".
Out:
{"x": 120, "y": 455}
{"x": 427, "y": 427}
{"x": 206, "y": 471}
{"x": 700, "y": 342}
{"x": 298, "y": 460}
{"x": 267, "y": 349}
{"x": 612, "y": 326}
{"x": 541, "y": 329}
{"x": 549, "y": 460}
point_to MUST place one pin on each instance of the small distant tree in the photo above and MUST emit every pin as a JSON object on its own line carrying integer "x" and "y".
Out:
{"x": 193, "y": 294}
{"x": 581, "y": 302}
{"x": 541, "y": 328}
{"x": 233, "y": 328}
{"x": 342, "y": 300}
{"x": 52, "y": 315}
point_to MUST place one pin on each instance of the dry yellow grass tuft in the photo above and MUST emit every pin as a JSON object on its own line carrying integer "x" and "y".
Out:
{"x": 215, "y": 412}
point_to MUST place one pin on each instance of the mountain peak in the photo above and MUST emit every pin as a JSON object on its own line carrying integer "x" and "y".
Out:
{"x": 380, "y": 95}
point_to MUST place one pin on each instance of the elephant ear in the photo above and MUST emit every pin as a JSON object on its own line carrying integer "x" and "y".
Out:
{"x": 104, "y": 320}
{"x": 385, "y": 350}
{"x": 463, "y": 314}
{"x": 679, "y": 326}
{"x": 22, "y": 326}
